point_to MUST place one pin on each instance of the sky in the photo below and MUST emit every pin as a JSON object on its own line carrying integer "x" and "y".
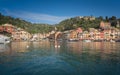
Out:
{"x": 54, "y": 11}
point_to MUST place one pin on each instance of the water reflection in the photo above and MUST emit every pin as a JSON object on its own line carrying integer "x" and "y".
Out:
{"x": 60, "y": 57}
{"x": 94, "y": 47}
{"x": 4, "y": 48}
{"x": 57, "y": 44}
{"x": 77, "y": 48}
{"x": 19, "y": 46}
{"x": 69, "y": 47}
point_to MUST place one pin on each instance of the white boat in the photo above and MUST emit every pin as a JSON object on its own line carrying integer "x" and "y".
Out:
{"x": 4, "y": 39}
{"x": 112, "y": 40}
{"x": 87, "y": 40}
{"x": 73, "y": 40}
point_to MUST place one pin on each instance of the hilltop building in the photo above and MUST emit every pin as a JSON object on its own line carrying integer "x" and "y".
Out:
{"x": 86, "y": 17}
{"x": 89, "y": 18}
{"x": 105, "y": 25}
{"x": 118, "y": 24}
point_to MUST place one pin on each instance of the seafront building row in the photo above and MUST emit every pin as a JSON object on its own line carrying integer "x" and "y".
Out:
{"x": 105, "y": 32}
{"x": 19, "y": 34}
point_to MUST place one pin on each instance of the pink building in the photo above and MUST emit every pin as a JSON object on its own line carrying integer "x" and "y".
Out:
{"x": 79, "y": 30}
{"x": 105, "y": 25}
{"x": 7, "y": 27}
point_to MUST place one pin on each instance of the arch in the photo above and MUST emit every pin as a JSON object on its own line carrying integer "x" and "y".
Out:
{"x": 57, "y": 34}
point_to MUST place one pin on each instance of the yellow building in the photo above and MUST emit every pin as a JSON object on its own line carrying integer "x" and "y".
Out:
{"x": 20, "y": 34}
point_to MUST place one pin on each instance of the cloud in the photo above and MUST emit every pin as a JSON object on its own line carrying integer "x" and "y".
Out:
{"x": 36, "y": 17}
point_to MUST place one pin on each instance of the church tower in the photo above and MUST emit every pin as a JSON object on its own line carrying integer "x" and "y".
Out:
{"x": 118, "y": 24}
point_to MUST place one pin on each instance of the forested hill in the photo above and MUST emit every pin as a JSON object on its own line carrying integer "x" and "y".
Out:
{"x": 86, "y": 22}
{"x": 30, "y": 27}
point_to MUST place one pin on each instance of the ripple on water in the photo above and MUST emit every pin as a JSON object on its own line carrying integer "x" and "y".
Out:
{"x": 69, "y": 59}
{"x": 45, "y": 66}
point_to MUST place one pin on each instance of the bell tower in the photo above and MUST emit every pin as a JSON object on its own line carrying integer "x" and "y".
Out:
{"x": 118, "y": 24}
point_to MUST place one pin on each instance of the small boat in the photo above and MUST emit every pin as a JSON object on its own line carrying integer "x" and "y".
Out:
{"x": 98, "y": 40}
{"x": 117, "y": 40}
{"x": 73, "y": 40}
{"x": 4, "y": 39}
{"x": 87, "y": 40}
{"x": 112, "y": 40}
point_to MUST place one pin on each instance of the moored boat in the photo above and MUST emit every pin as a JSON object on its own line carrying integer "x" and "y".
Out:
{"x": 87, "y": 40}
{"x": 4, "y": 39}
{"x": 112, "y": 40}
{"x": 73, "y": 40}
{"x": 117, "y": 40}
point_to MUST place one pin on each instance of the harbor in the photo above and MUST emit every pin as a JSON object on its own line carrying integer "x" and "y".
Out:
{"x": 59, "y": 37}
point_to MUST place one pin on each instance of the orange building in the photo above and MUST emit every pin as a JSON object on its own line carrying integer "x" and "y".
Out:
{"x": 7, "y": 27}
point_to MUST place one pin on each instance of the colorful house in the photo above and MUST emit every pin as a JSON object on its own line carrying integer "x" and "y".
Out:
{"x": 73, "y": 34}
{"x": 7, "y": 28}
{"x": 20, "y": 34}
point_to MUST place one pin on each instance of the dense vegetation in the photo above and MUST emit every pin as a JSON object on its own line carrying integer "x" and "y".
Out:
{"x": 76, "y": 22}
{"x": 31, "y": 28}
{"x": 67, "y": 24}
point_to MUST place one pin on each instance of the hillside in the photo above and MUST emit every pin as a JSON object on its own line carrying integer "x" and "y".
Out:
{"x": 85, "y": 23}
{"x": 30, "y": 27}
